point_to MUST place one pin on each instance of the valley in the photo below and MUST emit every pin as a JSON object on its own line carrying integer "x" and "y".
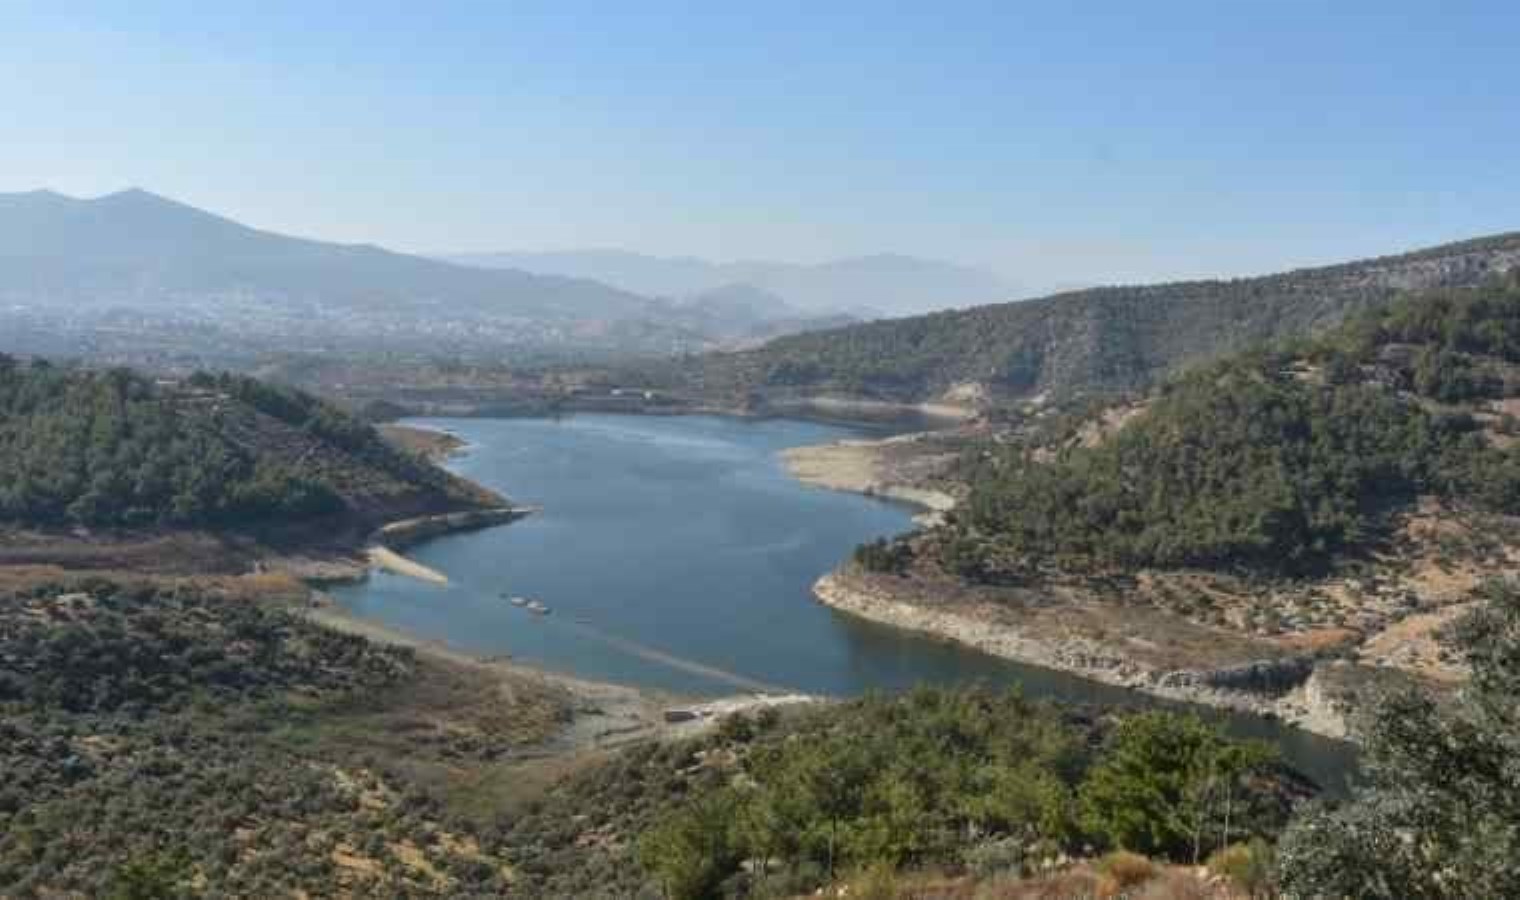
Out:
{"x": 764, "y": 452}
{"x": 1251, "y": 554}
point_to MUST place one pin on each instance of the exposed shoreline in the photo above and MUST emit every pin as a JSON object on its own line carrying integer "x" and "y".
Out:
{"x": 1305, "y": 705}
{"x": 390, "y": 561}
{"x": 384, "y": 551}
{"x": 858, "y": 466}
{"x": 434, "y": 444}
{"x": 605, "y": 714}
{"x": 842, "y": 411}
{"x": 861, "y": 466}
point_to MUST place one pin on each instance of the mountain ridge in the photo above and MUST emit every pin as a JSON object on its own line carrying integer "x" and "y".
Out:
{"x": 131, "y": 269}
{"x": 884, "y": 283}
{"x": 162, "y": 246}
{"x": 1097, "y": 340}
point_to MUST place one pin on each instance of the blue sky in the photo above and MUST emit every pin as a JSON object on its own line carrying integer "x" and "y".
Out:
{"x": 1124, "y": 142}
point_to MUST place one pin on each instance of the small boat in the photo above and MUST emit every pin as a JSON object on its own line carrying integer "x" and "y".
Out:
{"x": 518, "y": 601}
{"x": 537, "y": 606}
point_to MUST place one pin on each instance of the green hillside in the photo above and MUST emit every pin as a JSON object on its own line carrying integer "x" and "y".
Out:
{"x": 1272, "y": 460}
{"x": 183, "y": 742}
{"x": 1099, "y": 340}
{"x": 116, "y": 449}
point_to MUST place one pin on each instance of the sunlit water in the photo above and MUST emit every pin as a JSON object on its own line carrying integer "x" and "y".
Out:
{"x": 677, "y": 553}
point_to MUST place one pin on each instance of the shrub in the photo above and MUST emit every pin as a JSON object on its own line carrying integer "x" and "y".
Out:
{"x": 1436, "y": 813}
{"x": 1127, "y": 870}
{"x": 1248, "y": 866}
{"x": 1159, "y": 783}
{"x": 1005, "y": 856}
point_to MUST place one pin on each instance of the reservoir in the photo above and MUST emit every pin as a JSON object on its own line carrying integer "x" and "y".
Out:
{"x": 677, "y": 553}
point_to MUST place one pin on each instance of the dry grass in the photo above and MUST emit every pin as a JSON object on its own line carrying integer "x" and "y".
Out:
{"x": 1141, "y": 879}
{"x": 424, "y": 442}
{"x": 1124, "y": 870}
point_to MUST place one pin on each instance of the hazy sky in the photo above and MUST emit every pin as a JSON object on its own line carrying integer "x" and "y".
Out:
{"x": 1143, "y": 141}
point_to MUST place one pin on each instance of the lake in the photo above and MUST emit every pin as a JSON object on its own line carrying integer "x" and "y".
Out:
{"x": 677, "y": 553}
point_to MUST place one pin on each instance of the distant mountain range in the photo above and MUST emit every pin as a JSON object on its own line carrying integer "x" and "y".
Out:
{"x": 140, "y": 247}
{"x": 864, "y": 286}
{"x": 135, "y": 276}
{"x": 1098, "y": 340}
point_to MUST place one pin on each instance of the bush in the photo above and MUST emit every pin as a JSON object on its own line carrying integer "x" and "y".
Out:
{"x": 1126, "y": 870}
{"x": 884, "y": 555}
{"x": 1162, "y": 782}
{"x": 1005, "y": 856}
{"x": 691, "y": 851}
{"x": 1248, "y": 866}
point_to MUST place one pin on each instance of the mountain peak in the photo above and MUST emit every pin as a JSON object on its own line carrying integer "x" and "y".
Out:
{"x": 136, "y": 196}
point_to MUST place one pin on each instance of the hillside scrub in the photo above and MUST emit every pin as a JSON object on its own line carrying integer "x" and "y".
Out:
{"x": 167, "y": 740}
{"x": 1436, "y": 816}
{"x": 1097, "y": 341}
{"x": 954, "y": 779}
{"x": 1275, "y": 460}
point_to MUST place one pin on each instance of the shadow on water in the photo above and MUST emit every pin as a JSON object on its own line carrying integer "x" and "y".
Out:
{"x": 678, "y": 554}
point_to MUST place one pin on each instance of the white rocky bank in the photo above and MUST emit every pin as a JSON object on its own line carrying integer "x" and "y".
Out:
{"x": 1305, "y": 704}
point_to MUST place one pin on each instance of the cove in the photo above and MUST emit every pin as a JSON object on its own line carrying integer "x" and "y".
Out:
{"x": 677, "y": 553}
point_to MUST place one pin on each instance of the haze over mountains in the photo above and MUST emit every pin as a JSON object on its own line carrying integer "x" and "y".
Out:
{"x": 1098, "y": 340}
{"x": 863, "y": 286}
{"x": 134, "y": 245}
{"x": 133, "y": 269}
{"x": 136, "y": 278}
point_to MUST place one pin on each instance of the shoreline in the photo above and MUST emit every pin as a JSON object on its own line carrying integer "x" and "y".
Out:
{"x": 864, "y": 415}
{"x": 1306, "y": 705}
{"x": 388, "y": 560}
{"x": 857, "y": 466}
{"x": 604, "y": 714}
{"x": 434, "y": 444}
{"x": 384, "y": 550}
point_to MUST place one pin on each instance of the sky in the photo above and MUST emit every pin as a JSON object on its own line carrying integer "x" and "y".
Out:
{"x": 1112, "y": 143}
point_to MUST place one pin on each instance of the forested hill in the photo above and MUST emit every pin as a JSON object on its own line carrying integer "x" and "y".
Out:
{"x": 1278, "y": 459}
{"x": 113, "y": 448}
{"x": 1098, "y": 340}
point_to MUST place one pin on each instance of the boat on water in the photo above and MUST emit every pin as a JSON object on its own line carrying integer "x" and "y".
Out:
{"x": 537, "y": 606}
{"x": 518, "y": 601}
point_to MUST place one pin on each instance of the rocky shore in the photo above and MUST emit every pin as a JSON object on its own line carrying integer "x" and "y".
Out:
{"x": 1291, "y": 688}
{"x": 385, "y": 551}
{"x": 871, "y": 467}
{"x": 399, "y": 535}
